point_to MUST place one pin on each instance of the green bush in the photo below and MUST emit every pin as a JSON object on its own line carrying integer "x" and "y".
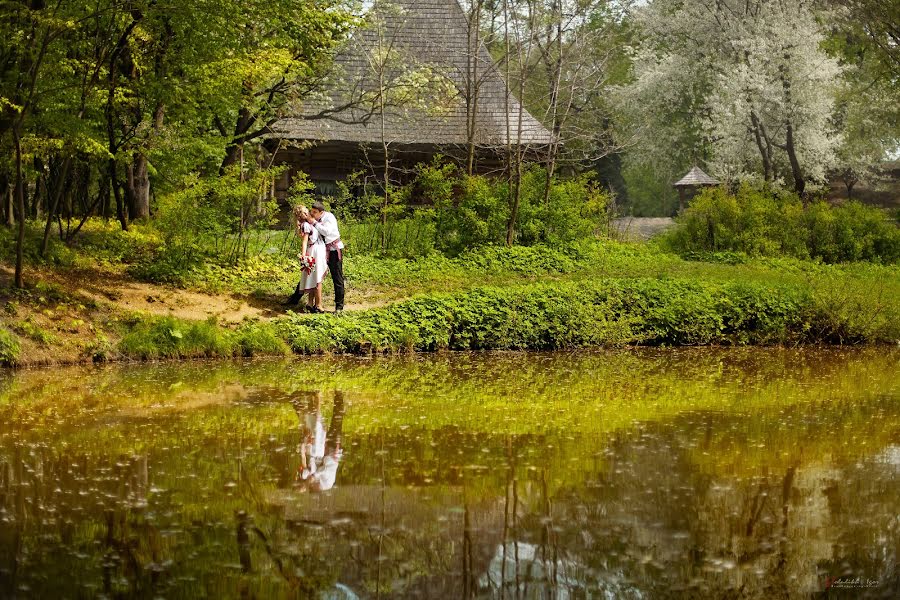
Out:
{"x": 473, "y": 211}
{"x": 572, "y": 315}
{"x": 58, "y": 254}
{"x": 106, "y": 241}
{"x": 167, "y": 337}
{"x": 9, "y": 349}
{"x": 411, "y": 236}
{"x": 33, "y": 331}
{"x": 255, "y": 339}
{"x": 208, "y": 217}
{"x": 764, "y": 222}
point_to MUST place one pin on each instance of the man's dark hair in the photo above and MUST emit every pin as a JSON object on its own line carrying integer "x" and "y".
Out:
{"x": 318, "y": 206}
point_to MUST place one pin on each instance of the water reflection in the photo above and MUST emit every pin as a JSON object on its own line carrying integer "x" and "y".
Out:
{"x": 660, "y": 474}
{"x": 320, "y": 451}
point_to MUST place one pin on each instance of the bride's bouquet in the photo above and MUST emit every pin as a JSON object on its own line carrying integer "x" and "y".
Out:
{"x": 307, "y": 262}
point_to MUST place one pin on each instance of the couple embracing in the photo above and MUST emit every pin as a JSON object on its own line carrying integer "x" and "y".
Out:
{"x": 323, "y": 251}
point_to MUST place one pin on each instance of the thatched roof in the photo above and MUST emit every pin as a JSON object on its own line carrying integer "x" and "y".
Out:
{"x": 427, "y": 35}
{"x": 696, "y": 177}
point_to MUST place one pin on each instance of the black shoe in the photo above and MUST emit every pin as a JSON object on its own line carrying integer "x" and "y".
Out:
{"x": 292, "y": 301}
{"x": 338, "y": 310}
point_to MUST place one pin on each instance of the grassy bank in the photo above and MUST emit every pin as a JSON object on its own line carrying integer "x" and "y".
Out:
{"x": 599, "y": 293}
{"x": 567, "y": 315}
{"x": 604, "y": 312}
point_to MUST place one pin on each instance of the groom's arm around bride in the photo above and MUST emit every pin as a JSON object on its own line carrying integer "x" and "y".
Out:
{"x": 327, "y": 226}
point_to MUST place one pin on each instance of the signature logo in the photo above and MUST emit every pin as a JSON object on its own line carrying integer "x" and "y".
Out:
{"x": 849, "y": 583}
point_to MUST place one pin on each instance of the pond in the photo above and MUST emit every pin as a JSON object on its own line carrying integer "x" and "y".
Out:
{"x": 753, "y": 473}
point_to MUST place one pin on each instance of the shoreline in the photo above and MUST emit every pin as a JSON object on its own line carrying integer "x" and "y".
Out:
{"x": 218, "y": 360}
{"x": 604, "y": 295}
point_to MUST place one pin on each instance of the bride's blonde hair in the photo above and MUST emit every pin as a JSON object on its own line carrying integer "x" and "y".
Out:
{"x": 301, "y": 212}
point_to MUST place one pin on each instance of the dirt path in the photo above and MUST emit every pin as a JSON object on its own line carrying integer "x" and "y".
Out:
{"x": 126, "y": 295}
{"x": 642, "y": 228}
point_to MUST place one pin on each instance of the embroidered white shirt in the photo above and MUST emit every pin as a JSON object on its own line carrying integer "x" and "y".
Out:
{"x": 327, "y": 226}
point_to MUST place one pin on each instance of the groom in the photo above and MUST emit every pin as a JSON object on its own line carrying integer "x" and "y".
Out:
{"x": 327, "y": 226}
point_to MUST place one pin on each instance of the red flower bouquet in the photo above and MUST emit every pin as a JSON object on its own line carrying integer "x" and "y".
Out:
{"x": 308, "y": 263}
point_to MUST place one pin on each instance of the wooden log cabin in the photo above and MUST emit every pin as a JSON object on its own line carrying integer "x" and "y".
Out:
{"x": 343, "y": 131}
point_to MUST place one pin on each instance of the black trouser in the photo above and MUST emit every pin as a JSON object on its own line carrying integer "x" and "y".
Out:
{"x": 333, "y": 439}
{"x": 336, "y": 267}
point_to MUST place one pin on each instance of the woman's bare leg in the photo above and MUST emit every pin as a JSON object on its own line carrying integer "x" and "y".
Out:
{"x": 319, "y": 296}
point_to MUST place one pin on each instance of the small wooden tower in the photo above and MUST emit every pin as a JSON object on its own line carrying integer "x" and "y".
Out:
{"x": 694, "y": 179}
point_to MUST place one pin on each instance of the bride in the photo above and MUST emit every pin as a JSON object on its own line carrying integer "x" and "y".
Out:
{"x": 315, "y": 260}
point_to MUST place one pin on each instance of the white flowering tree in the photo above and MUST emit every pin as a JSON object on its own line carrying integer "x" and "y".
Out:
{"x": 743, "y": 85}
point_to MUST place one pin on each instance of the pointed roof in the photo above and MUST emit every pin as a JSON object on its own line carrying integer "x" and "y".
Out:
{"x": 427, "y": 34}
{"x": 696, "y": 177}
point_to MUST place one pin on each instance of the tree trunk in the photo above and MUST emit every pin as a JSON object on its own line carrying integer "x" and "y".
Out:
{"x": 137, "y": 175}
{"x": 799, "y": 181}
{"x": 472, "y": 83}
{"x": 120, "y": 204}
{"x": 758, "y": 136}
{"x": 233, "y": 150}
{"x": 8, "y": 200}
{"x": 511, "y": 224}
{"x": 20, "y": 198}
{"x": 58, "y": 190}
{"x": 519, "y": 153}
{"x": 137, "y": 188}
{"x": 850, "y": 183}
{"x": 555, "y": 76}
{"x": 387, "y": 162}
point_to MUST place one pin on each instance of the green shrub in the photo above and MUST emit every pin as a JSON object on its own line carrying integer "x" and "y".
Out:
{"x": 106, "y": 241}
{"x": 58, "y": 254}
{"x": 168, "y": 337}
{"x": 473, "y": 211}
{"x": 100, "y": 349}
{"x": 572, "y": 315}
{"x": 9, "y": 349}
{"x": 255, "y": 339}
{"x": 33, "y": 331}
{"x": 410, "y": 236}
{"x": 764, "y": 222}
{"x": 576, "y": 209}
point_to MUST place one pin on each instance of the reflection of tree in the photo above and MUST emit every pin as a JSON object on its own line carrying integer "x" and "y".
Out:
{"x": 142, "y": 499}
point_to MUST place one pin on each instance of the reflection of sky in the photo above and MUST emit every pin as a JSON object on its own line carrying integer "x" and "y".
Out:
{"x": 521, "y": 567}
{"x": 890, "y": 456}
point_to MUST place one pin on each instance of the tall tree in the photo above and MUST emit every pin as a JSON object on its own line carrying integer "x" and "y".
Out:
{"x": 747, "y": 81}
{"x": 280, "y": 54}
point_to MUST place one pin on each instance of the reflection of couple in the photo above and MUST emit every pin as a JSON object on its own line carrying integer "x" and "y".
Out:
{"x": 323, "y": 251}
{"x": 320, "y": 450}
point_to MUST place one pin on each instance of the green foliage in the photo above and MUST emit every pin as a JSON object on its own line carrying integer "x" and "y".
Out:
{"x": 257, "y": 339}
{"x": 573, "y": 315}
{"x": 406, "y": 237}
{"x": 765, "y": 222}
{"x": 168, "y": 337}
{"x": 58, "y": 254}
{"x": 208, "y": 217}
{"x": 100, "y": 349}
{"x": 650, "y": 194}
{"x": 473, "y": 211}
{"x": 105, "y": 241}
{"x": 33, "y": 331}
{"x": 475, "y": 214}
{"x": 150, "y": 338}
{"x": 9, "y": 349}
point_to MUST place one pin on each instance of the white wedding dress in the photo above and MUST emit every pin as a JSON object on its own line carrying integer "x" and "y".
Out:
{"x": 315, "y": 247}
